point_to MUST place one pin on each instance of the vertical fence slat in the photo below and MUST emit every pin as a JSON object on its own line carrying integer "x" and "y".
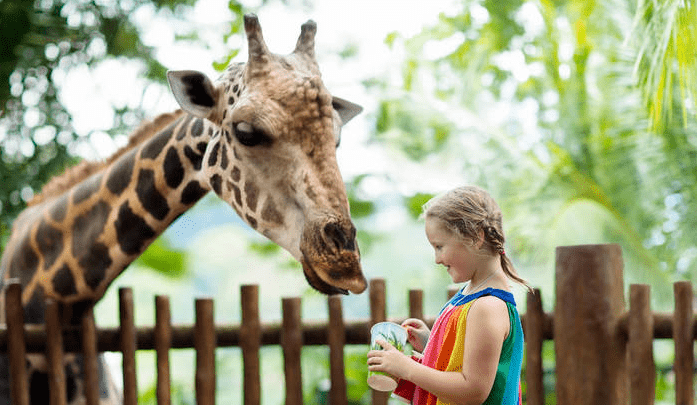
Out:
{"x": 590, "y": 354}
{"x": 291, "y": 342}
{"x": 416, "y": 304}
{"x": 89, "y": 357}
{"x": 336, "y": 339}
{"x": 378, "y": 313}
{"x": 534, "y": 329}
{"x": 14, "y": 316}
{"x": 127, "y": 336}
{"x": 163, "y": 343}
{"x": 378, "y": 307}
{"x": 642, "y": 368}
{"x": 250, "y": 341}
{"x": 684, "y": 349}
{"x": 204, "y": 342}
{"x": 54, "y": 353}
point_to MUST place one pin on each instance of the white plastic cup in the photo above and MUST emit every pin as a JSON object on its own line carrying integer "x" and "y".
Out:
{"x": 397, "y": 337}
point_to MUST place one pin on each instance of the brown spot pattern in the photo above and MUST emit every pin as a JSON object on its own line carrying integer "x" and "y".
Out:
{"x": 270, "y": 213}
{"x": 252, "y": 192}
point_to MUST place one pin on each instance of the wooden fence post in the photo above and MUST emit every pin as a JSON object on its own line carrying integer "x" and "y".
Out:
{"x": 127, "y": 334}
{"x": 416, "y": 304}
{"x": 336, "y": 339}
{"x": 640, "y": 346}
{"x": 378, "y": 313}
{"x": 54, "y": 354}
{"x": 16, "y": 348}
{"x": 534, "y": 336}
{"x": 90, "y": 359}
{"x": 590, "y": 353}
{"x": 250, "y": 341}
{"x": 163, "y": 344}
{"x": 291, "y": 342}
{"x": 205, "y": 343}
{"x": 683, "y": 339}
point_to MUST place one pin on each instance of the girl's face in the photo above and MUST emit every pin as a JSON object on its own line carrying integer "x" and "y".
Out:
{"x": 457, "y": 255}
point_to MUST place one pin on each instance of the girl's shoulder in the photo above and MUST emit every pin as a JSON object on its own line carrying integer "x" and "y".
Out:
{"x": 490, "y": 305}
{"x": 460, "y": 299}
{"x": 491, "y": 313}
{"x": 489, "y": 293}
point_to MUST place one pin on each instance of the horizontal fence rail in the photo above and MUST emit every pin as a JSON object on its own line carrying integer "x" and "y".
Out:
{"x": 637, "y": 327}
{"x": 314, "y": 333}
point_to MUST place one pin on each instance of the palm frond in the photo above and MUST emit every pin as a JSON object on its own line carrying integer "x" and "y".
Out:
{"x": 665, "y": 63}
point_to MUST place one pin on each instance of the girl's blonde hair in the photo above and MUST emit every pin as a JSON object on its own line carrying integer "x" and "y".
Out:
{"x": 468, "y": 210}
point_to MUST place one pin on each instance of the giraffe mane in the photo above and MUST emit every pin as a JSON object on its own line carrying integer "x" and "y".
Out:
{"x": 75, "y": 174}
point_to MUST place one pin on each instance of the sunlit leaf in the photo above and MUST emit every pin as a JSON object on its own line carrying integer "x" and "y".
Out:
{"x": 349, "y": 51}
{"x": 264, "y": 248}
{"x": 361, "y": 209}
{"x": 411, "y": 127}
{"x": 160, "y": 257}
{"x": 391, "y": 38}
{"x": 222, "y": 64}
{"x": 665, "y": 67}
{"x": 415, "y": 203}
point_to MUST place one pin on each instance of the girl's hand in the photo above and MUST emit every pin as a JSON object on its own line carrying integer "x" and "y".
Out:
{"x": 390, "y": 360}
{"x": 417, "y": 333}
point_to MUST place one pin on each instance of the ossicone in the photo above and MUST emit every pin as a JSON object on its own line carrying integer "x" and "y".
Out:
{"x": 306, "y": 41}
{"x": 255, "y": 40}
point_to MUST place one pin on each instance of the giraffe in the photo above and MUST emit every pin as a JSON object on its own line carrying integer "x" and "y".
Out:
{"x": 263, "y": 138}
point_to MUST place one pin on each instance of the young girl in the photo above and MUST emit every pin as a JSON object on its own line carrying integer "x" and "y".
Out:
{"x": 474, "y": 353}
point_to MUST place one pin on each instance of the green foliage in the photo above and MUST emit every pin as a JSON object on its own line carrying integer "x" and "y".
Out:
{"x": 265, "y": 248}
{"x": 416, "y": 131}
{"x": 349, "y": 51}
{"x": 356, "y": 372}
{"x": 586, "y": 146}
{"x": 360, "y": 207}
{"x": 236, "y": 26}
{"x": 39, "y": 41}
{"x": 416, "y": 202}
{"x": 220, "y": 66}
{"x": 179, "y": 394}
{"x": 162, "y": 258}
{"x": 666, "y": 32}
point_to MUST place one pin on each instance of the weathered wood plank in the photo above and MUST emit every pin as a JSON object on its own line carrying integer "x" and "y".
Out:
{"x": 590, "y": 354}
{"x": 250, "y": 342}
{"x": 205, "y": 344}
{"x": 642, "y": 368}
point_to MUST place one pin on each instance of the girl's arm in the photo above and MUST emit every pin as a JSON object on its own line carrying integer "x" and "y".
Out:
{"x": 488, "y": 325}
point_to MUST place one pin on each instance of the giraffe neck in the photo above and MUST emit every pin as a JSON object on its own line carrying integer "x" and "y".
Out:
{"x": 72, "y": 246}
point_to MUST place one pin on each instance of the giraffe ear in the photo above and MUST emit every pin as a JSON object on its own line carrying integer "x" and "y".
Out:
{"x": 346, "y": 109}
{"x": 193, "y": 91}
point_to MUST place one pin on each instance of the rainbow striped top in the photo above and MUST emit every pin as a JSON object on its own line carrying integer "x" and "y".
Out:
{"x": 445, "y": 349}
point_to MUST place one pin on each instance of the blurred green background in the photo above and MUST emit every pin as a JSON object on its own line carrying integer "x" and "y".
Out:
{"x": 577, "y": 115}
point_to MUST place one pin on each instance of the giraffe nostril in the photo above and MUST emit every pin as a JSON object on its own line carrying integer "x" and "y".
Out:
{"x": 342, "y": 240}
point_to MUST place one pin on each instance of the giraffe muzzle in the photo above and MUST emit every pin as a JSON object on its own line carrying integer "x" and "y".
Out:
{"x": 331, "y": 258}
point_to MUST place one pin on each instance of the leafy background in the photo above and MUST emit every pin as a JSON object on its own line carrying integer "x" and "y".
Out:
{"x": 577, "y": 115}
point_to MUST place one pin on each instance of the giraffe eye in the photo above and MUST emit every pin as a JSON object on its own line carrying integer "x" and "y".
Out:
{"x": 248, "y": 135}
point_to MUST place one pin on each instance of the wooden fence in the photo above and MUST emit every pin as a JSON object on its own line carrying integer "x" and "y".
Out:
{"x": 604, "y": 353}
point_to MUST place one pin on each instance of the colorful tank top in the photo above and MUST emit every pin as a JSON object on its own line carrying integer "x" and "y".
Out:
{"x": 445, "y": 349}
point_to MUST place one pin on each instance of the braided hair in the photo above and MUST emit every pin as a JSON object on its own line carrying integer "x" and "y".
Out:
{"x": 468, "y": 210}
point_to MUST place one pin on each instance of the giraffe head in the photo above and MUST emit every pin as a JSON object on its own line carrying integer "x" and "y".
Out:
{"x": 272, "y": 155}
